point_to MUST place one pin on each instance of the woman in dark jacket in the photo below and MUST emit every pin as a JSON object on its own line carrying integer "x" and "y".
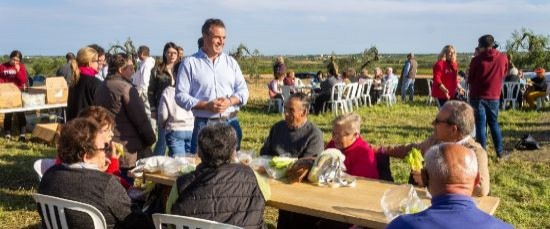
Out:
{"x": 121, "y": 98}
{"x": 81, "y": 178}
{"x": 162, "y": 76}
{"x": 84, "y": 82}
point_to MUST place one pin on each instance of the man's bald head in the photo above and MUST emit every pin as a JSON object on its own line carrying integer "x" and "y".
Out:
{"x": 451, "y": 168}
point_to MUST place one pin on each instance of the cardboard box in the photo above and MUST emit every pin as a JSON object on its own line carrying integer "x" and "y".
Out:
{"x": 47, "y": 132}
{"x": 10, "y": 96}
{"x": 56, "y": 90}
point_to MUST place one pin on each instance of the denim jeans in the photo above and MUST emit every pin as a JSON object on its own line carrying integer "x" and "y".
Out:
{"x": 202, "y": 122}
{"x": 407, "y": 84}
{"x": 486, "y": 113}
{"x": 179, "y": 143}
{"x": 160, "y": 146}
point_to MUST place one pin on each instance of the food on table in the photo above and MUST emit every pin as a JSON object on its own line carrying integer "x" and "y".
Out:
{"x": 327, "y": 166}
{"x": 414, "y": 159}
{"x": 298, "y": 171}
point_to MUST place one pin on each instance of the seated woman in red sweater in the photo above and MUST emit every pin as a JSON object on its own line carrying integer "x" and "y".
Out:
{"x": 360, "y": 158}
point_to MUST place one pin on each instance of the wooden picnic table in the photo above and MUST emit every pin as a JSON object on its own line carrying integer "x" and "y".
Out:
{"x": 359, "y": 205}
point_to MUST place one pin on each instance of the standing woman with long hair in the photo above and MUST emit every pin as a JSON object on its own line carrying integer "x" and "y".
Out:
{"x": 14, "y": 72}
{"x": 84, "y": 83}
{"x": 445, "y": 76}
{"x": 162, "y": 76}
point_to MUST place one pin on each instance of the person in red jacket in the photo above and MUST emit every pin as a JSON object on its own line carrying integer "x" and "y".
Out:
{"x": 487, "y": 72}
{"x": 360, "y": 159}
{"x": 14, "y": 72}
{"x": 445, "y": 80}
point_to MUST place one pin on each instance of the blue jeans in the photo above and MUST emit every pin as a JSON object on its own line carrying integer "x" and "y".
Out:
{"x": 202, "y": 122}
{"x": 486, "y": 113}
{"x": 407, "y": 84}
{"x": 179, "y": 143}
{"x": 160, "y": 146}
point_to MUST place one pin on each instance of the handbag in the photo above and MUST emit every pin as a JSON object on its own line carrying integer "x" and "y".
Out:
{"x": 527, "y": 142}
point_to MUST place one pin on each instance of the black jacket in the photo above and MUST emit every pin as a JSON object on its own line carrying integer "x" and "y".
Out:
{"x": 81, "y": 95}
{"x": 228, "y": 194}
{"x": 96, "y": 188}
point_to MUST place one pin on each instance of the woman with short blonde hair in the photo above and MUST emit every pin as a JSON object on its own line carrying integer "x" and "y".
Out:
{"x": 360, "y": 159}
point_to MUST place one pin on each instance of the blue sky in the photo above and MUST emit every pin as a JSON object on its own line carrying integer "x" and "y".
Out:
{"x": 54, "y": 27}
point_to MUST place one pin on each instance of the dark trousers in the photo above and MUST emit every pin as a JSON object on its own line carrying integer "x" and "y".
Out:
{"x": 21, "y": 120}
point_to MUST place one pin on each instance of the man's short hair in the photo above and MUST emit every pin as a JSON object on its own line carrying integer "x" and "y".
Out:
{"x": 487, "y": 41}
{"x": 100, "y": 51}
{"x": 216, "y": 144}
{"x": 461, "y": 115}
{"x": 200, "y": 42}
{"x": 303, "y": 98}
{"x": 211, "y": 22}
{"x": 143, "y": 50}
{"x": 437, "y": 166}
{"x": 70, "y": 56}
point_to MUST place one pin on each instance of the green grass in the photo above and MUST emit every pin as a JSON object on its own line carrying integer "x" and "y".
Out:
{"x": 522, "y": 182}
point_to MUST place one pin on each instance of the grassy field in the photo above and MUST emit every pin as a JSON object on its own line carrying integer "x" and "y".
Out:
{"x": 521, "y": 182}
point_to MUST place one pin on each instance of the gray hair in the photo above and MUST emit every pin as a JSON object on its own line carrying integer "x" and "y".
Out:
{"x": 437, "y": 166}
{"x": 514, "y": 71}
{"x": 303, "y": 98}
{"x": 350, "y": 121}
{"x": 461, "y": 115}
{"x": 389, "y": 69}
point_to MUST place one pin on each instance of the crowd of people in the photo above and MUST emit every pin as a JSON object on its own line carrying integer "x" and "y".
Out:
{"x": 192, "y": 104}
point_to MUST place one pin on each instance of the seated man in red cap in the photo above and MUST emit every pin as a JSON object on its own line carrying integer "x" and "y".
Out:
{"x": 537, "y": 89}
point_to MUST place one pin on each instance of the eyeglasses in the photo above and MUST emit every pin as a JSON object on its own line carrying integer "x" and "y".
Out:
{"x": 437, "y": 121}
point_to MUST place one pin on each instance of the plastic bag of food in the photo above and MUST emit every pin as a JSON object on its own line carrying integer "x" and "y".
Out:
{"x": 299, "y": 169}
{"x": 401, "y": 200}
{"x": 278, "y": 166}
{"x": 329, "y": 168}
{"x": 259, "y": 164}
{"x": 244, "y": 157}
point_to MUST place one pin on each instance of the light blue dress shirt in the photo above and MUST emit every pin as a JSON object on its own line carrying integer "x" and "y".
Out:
{"x": 200, "y": 79}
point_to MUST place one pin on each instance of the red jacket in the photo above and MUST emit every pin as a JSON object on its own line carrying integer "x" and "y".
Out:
{"x": 445, "y": 73}
{"x": 487, "y": 72}
{"x": 360, "y": 159}
{"x": 8, "y": 74}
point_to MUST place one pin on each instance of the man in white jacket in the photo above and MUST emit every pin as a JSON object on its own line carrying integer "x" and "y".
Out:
{"x": 141, "y": 78}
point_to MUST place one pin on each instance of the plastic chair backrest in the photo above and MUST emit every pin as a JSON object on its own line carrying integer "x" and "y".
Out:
{"x": 286, "y": 92}
{"x": 53, "y": 211}
{"x": 430, "y": 82}
{"x": 359, "y": 91}
{"x": 337, "y": 92}
{"x": 350, "y": 90}
{"x": 510, "y": 91}
{"x": 367, "y": 87}
{"x": 42, "y": 165}
{"x": 182, "y": 222}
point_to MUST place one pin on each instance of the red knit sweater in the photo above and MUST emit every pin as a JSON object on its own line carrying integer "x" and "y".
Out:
{"x": 360, "y": 159}
{"x": 9, "y": 74}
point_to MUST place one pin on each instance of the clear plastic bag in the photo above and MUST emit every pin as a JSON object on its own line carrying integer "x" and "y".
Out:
{"x": 401, "y": 200}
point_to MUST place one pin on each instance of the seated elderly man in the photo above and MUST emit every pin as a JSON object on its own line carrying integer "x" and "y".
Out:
{"x": 454, "y": 123}
{"x": 451, "y": 173}
{"x": 219, "y": 190}
{"x": 294, "y": 135}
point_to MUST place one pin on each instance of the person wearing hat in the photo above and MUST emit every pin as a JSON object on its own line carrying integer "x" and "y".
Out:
{"x": 487, "y": 72}
{"x": 537, "y": 89}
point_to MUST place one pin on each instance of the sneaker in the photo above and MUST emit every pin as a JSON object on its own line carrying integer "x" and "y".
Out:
{"x": 22, "y": 138}
{"x": 7, "y": 136}
{"x": 504, "y": 155}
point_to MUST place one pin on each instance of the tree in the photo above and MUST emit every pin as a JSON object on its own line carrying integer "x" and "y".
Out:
{"x": 528, "y": 50}
{"x": 369, "y": 56}
{"x": 128, "y": 48}
{"x": 249, "y": 62}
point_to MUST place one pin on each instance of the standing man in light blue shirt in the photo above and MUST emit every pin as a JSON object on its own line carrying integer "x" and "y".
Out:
{"x": 211, "y": 84}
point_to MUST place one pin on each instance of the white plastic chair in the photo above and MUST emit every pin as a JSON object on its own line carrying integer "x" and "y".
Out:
{"x": 181, "y": 222}
{"x": 430, "y": 98}
{"x": 540, "y": 102}
{"x": 511, "y": 95}
{"x": 42, "y": 165}
{"x": 336, "y": 98}
{"x": 350, "y": 91}
{"x": 357, "y": 95}
{"x": 275, "y": 102}
{"x": 286, "y": 92}
{"x": 366, "y": 92}
{"x": 53, "y": 210}
{"x": 388, "y": 93}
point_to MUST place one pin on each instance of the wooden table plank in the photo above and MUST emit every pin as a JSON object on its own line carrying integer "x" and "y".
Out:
{"x": 358, "y": 205}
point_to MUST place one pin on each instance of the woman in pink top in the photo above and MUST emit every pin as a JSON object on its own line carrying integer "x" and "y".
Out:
{"x": 14, "y": 72}
{"x": 445, "y": 80}
{"x": 360, "y": 159}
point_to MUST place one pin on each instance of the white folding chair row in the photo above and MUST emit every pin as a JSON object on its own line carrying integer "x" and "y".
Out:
{"x": 53, "y": 210}
{"x": 181, "y": 222}
{"x": 357, "y": 94}
{"x": 350, "y": 91}
{"x": 430, "y": 97}
{"x": 388, "y": 93}
{"x": 510, "y": 93}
